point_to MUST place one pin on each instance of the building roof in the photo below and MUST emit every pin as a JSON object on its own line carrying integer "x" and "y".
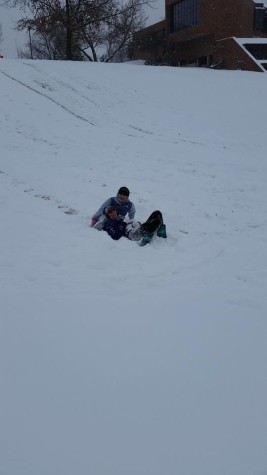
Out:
{"x": 253, "y": 41}
{"x": 243, "y": 42}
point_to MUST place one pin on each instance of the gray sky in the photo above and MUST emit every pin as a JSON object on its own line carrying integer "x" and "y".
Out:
{"x": 11, "y": 38}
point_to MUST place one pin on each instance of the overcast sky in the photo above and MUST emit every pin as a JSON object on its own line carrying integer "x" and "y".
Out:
{"x": 12, "y": 40}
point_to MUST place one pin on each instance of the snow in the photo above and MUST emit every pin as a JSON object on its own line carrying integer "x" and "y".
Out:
{"x": 119, "y": 359}
{"x": 242, "y": 41}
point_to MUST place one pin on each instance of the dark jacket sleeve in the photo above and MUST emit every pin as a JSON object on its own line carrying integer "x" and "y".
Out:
{"x": 115, "y": 229}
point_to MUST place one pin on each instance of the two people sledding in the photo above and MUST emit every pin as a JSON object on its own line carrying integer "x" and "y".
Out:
{"x": 110, "y": 218}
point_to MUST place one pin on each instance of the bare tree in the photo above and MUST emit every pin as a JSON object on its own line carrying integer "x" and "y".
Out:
{"x": 114, "y": 33}
{"x": 45, "y": 44}
{"x": 120, "y": 34}
{"x": 68, "y": 29}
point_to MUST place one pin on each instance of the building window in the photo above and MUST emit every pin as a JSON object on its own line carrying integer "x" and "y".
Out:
{"x": 184, "y": 14}
{"x": 259, "y": 51}
{"x": 259, "y": 17}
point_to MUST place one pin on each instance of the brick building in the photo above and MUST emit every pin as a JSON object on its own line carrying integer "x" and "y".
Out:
{"x": 228, "y": 34}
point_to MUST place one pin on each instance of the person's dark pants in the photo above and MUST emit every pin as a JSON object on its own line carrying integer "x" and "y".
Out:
{"x": 153, "y": 222}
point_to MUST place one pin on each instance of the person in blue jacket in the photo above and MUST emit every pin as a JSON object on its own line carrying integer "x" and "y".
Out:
{"x": 134, "y": 231}
{"x": 122, "y": 204}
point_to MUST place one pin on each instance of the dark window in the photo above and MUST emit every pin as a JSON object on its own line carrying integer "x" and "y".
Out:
{"x": 184, "y": 14}
{"x": 257, "y": 50}
{"x": 259, "y": 18}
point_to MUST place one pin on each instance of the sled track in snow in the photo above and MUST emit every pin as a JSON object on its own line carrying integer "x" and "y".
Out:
{"x": 62, "y": 207}
{"x": 48, "y": 97}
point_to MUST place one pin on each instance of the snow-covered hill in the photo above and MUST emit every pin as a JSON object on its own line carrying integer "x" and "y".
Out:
{"x": 118, "y": 359}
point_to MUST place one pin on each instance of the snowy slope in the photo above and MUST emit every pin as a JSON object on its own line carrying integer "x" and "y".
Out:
{"x": 119, "y": 359}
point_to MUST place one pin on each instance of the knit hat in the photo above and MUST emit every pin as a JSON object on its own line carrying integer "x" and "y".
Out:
{"x": 123, "y": 191}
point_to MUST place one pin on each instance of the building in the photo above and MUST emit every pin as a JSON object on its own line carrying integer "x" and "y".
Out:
{"x": 228, "y": 34}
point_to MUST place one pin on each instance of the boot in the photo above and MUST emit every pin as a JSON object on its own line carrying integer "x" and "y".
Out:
{"x": 146, "y": 239}
{"x": 161, "y": 232}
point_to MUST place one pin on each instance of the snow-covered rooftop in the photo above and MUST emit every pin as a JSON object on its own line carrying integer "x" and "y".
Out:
{"x": 243, "y": 41}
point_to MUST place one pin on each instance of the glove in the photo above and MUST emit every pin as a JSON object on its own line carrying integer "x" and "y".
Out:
{"x": 93, "y": 222}
{"x": 135, "y": 225}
